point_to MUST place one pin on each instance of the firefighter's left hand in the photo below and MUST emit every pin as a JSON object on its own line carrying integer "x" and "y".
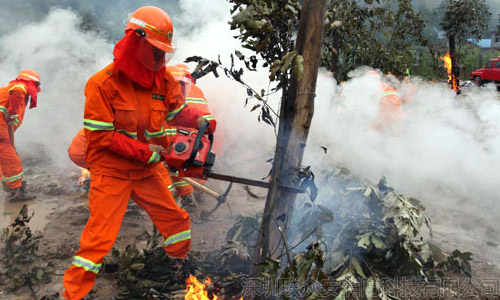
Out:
{"x": 201, "y": 121}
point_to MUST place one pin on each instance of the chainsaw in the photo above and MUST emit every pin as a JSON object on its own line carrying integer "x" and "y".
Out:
{"x": 190, "y": 155}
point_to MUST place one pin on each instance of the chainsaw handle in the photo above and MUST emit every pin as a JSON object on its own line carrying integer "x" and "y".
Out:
{"x": 197, "y": 143}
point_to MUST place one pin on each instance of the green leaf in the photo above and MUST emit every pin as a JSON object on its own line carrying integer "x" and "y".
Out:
{"x": 358, "y": 268}
{"x": 378, "y": 243}
{"x": 369, "y": 288}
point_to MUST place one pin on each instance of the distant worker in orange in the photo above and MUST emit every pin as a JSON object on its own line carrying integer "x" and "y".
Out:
{"x": 126, "y": 106}
{"x": 390, "y": 113}
{"x": 14, "y": 98}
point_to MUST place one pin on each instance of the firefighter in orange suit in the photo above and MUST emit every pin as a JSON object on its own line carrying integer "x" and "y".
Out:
{"x": 14, "y": 98}
{"x": 390, "y": 114}
{"x": 126, "y": 106}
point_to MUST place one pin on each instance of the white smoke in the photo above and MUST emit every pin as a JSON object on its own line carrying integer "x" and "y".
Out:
{"x": 65, "y": 57}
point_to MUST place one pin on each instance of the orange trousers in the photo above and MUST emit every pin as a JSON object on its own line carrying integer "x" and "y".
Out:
{"x": 108, "y": 200}
{"x": 10, "y": 165}
{"x": 181, "y": 187}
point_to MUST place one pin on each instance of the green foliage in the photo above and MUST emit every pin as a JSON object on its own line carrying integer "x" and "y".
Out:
{"x": 267, "y": 28}
{"x": 465, "y": 19}
{"x": 372, "y": 33}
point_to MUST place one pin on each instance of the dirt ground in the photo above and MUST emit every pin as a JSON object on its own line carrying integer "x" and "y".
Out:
{"x": 61, "y": 213}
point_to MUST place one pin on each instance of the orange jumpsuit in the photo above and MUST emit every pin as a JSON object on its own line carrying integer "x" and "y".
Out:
{"x": 121, "y": 118}
{"x": 13, "y": 100}
{"x": 390, "y": 114}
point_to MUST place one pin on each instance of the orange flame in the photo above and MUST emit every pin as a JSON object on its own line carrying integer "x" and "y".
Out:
{"x": 451, "y": 77}
{"x": 85, "y": 175}
{"x": 196, "y": 290}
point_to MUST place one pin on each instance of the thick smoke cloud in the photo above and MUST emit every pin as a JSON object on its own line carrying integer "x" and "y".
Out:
{"x": 447, "y": 153}
{"x": 65, "y": 58}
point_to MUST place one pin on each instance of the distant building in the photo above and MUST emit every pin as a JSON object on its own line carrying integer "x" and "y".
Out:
{"x": 495, "y": 41}
{"x": 482, "y": 43}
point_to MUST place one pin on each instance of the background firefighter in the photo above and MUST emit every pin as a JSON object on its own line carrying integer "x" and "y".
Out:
{"x": 126, "y": 106}
{"x": 194, "y": 98}
{"x": 14, "y": 98}
{"x": 389, "y": 118}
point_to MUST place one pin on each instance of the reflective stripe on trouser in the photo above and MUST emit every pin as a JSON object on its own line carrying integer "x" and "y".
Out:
{"x": 182, "y": 187}
{"x": 108, "y": 200}
{"x": 12, "y": 169}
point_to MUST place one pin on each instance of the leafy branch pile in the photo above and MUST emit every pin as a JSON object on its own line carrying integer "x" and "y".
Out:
{"x": 149, "y": 273}
{"x": 20, "y": 256}
{"x": 363, "y": 233}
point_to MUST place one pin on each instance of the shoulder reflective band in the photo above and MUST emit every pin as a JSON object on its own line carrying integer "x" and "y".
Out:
{"x": 97, "y": 125}
{"x": 157, "y": 134}
{"x": 390, "y": 93}
{"x": 154, "y": 158}
{"x": 179, "y": 237}
{"x": 128, "y": 133}
{"x": 174, "y": 113}
{"x": 18, "y": 86}
{"x": 88, "y": 265}
{"x": 196, "y": 100}
{"x": 13, "y": 178}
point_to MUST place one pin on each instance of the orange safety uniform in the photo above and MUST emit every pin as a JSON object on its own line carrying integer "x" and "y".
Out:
{"x": 121, "y": 118}
{"x": 13, "y": 100}
{"x": 76, "y": 150}
{"x": 390, "y": 113}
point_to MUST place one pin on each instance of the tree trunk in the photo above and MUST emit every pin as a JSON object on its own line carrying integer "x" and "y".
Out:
{"x": 297, "y": 108}
{"x": 455, "y": 70}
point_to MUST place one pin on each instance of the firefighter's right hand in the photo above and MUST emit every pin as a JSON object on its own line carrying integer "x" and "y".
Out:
{"x": 156, "y": 148}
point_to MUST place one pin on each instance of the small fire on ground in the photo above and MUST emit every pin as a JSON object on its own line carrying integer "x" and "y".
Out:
{"x": 196, "y": 290}
{"x": 452, "y": 81}
{"x": 84, "y": 177}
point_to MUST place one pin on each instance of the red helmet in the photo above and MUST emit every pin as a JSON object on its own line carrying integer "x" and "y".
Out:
{"x": 156, "y": 24}
{"x": 30, "y": 75}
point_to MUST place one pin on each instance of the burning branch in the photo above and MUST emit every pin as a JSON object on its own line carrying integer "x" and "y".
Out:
{"x": 453, "y": 79}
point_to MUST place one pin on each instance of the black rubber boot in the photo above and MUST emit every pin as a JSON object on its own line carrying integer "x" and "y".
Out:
{"x": 20, "y": 194}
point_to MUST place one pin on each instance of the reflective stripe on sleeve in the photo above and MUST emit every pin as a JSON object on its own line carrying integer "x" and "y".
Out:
{"x": 155, "y": 157}
{"x": 13, "y": 178}
{"x": 157, "y": 134}
{"x": 3, "y": 109}
{"x": 88, "y": 265}
{"x": 174, "y": 113}
{"x": 128, "y": 133}
{"x": 179, "y": 237}
{"x": 97, "y": 125}
{"x": 171, "y": 131}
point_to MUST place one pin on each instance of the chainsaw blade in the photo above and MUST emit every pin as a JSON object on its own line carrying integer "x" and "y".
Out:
{"x": 251, "y": 182}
